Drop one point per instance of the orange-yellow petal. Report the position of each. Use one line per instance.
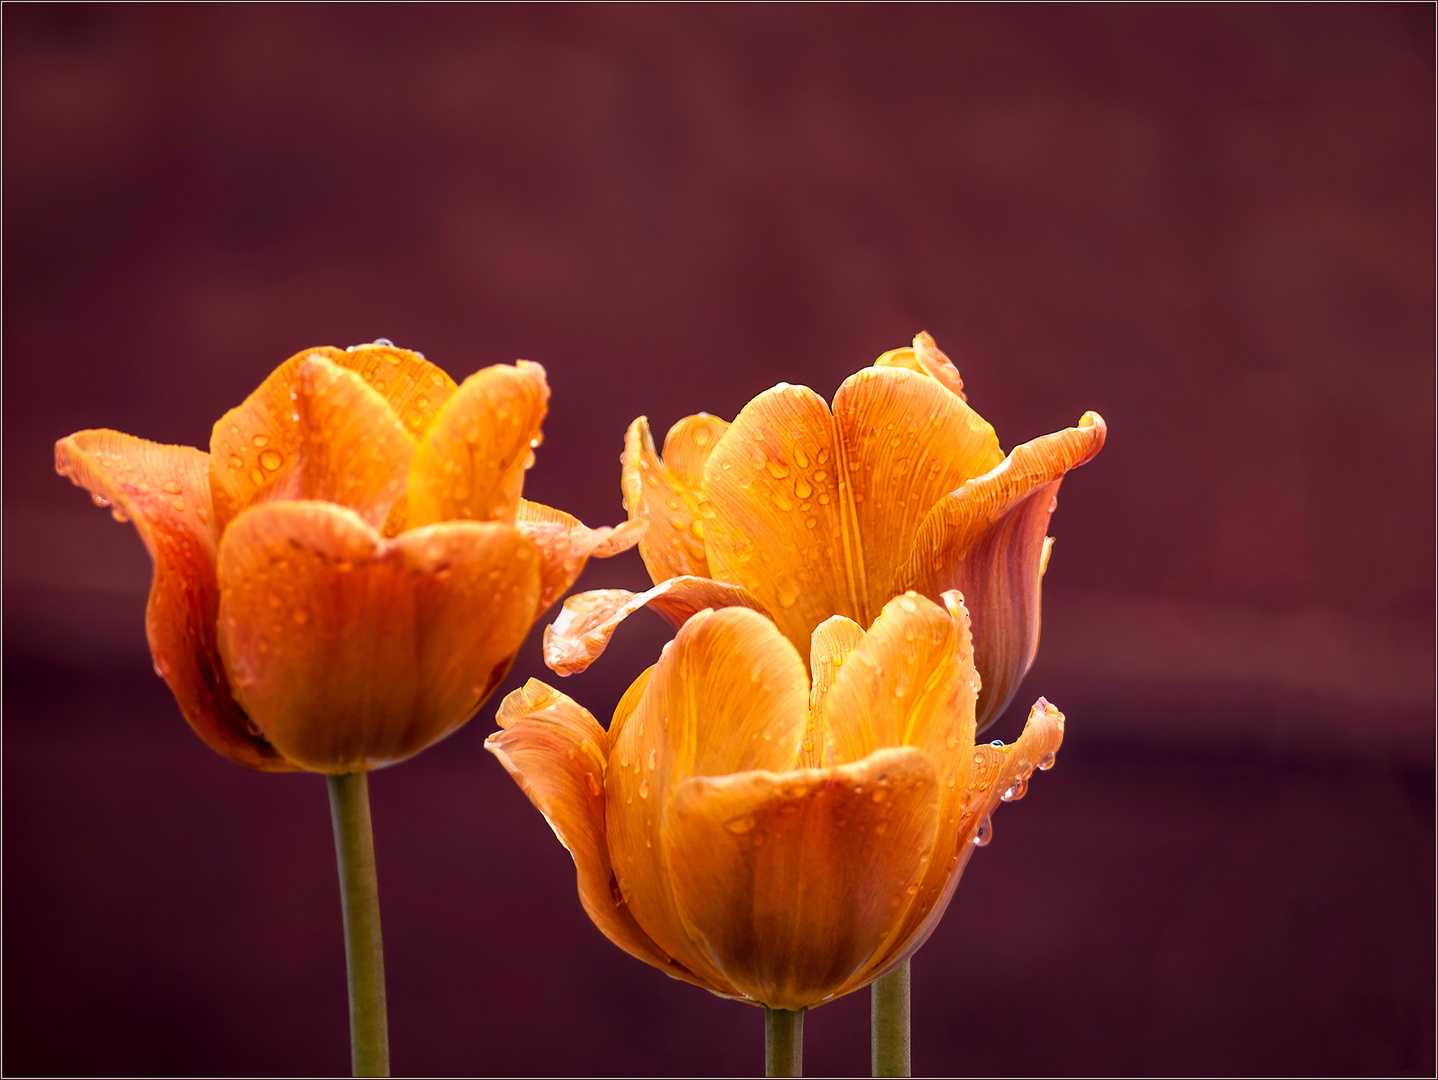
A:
(729, 694)
(254, 447)
(565, 544)
(165, 491)
(907, 440)
(926, 358)
(667, 495)
(987, 540)
(588, 620)
(558, 754)
(781, 523)
(834, 640)
(350, 651)
(470, 463)
(790, 881)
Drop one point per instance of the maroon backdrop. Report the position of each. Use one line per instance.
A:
(1212, 224)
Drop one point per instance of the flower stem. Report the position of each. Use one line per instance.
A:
(889, 1023)
(783, 1042)
(359, 899)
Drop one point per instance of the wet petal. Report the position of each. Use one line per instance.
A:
(729, 694)
(791, 880)
(350, 651)
(588, 620)
(926, 359)
(987, 540)
(470, 464)
(907, 440)
(165, 491)
(565, 544)
(667, 494)
(558, 754)
(834, 639)
(780, 524)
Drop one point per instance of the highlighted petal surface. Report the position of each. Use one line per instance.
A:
(926, 358)
(667, 494)
(791, 880)
(165, 491)
(350, 651)
(565, 544)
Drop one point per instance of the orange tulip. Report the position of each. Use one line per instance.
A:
(350, 570)
(802, 512)
(764, 833)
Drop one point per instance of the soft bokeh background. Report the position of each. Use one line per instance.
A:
(1212, 224)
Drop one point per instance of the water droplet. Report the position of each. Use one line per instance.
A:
(777, 469)
(179, 506)
(739, 826)
(999, 744)
(951, 740)
(119, 515)
(788, 597)
(985, 833)
(236, 463)
(273, 600)
(1017, 791)
(783, 502)
(592, 783)
(1047, 761)
(254, 729)
(257, 477)
(263, 440)
(879, 794)
(99, 500)
(162, 669)
(344, 566)
(385, 343)
(301, 616)
(169, 487)
(624, 762)
(653, 759)
(644, 789)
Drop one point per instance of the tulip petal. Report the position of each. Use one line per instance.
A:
(470, 464)
(558, 754)
(565, 544)
(926, 358)
(834, 639)
(667, 494)
(790, 881)
(906, 440)
(781, 525)
(254, 448)
(987, 540)
(729, 694)
(588, 620)
(165, 491)
(350, 651)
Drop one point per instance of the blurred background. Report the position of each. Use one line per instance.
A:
(1212, 224)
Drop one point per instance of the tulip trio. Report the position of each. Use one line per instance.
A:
(782, 805)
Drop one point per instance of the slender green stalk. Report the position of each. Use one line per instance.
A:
(889, 1023)
(359, 897)
(783, 1042)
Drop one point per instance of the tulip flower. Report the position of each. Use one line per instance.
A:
(801, 512)
(349, 572)
(772, 833)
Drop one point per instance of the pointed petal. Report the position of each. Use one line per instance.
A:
(565, 544)
(350, 651)
(987, 540)
(926, 359)
(834, 639)
(558, 755)
(792, 880)
(667, 494)
(780, 528)
(254, 447)
(470, 464)
(165, 491)
(907, 440)
(729, 694)
(588, 620)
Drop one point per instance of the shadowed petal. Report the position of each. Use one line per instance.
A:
(926, 359)
(667, 494)
(470, 463)
(987, 540)
(165, 491)
(558, 754)
(565, 544)
(350, 651)
(588, 620)
(834, 639)
(791, 880)
(907, 440)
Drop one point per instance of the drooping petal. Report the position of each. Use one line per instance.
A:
(729, 694)
(781, 523)
(834, 640)
(588, 620)
(470, 463)
(165, 491)
(987, 540)
(667, 494)
(791, 880)
(254, 447)
(350, 651)
(906, 441)
(565, 544)
(558, 754)
(926, 358)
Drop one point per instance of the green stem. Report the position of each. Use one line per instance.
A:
(359, 898)
(783, 1042)
(889, 1023)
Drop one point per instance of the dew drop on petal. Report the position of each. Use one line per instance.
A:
(264, 440)
(592, 782)
(1047, 761)
(170, 487)
(739, 826)
(99, 500)
(644, 789)
(985, 833)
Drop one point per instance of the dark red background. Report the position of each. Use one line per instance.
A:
(1212, 224)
